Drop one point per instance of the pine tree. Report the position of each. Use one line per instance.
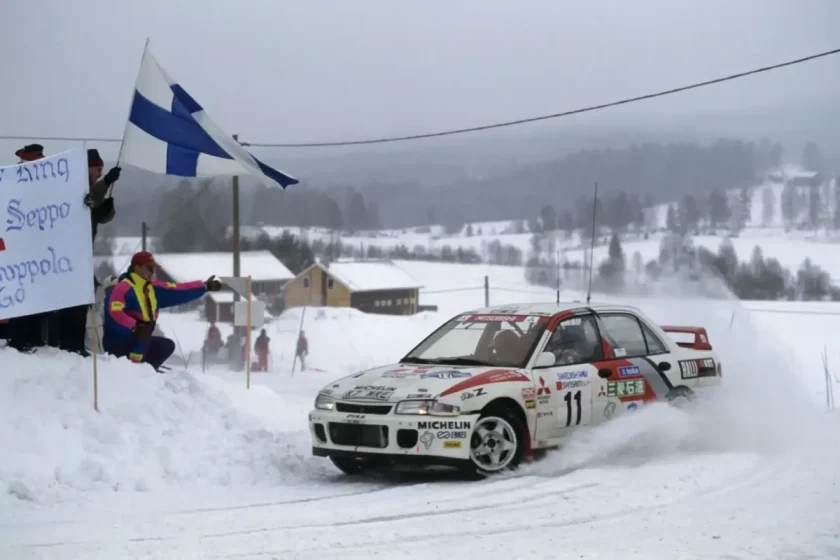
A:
(814, 207)
(671, 219)
(768, 200)
(719, 212)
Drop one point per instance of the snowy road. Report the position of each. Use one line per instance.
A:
(686, 505)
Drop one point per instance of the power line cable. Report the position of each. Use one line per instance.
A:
(554, 115)
(488, 126)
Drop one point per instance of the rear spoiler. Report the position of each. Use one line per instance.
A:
(701, 339)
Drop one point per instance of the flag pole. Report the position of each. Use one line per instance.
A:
(133, 95)
(95, 361)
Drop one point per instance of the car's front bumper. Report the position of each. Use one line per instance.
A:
(402, 438)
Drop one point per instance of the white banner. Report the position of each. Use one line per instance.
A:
(46, 250)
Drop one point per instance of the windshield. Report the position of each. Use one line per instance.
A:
(481, 340)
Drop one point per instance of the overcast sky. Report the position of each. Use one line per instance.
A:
(297, 71)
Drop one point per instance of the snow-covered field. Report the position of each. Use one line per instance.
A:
(192, 464)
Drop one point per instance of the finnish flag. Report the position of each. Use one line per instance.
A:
(168, 132)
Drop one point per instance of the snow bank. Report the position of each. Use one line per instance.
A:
(154, 431)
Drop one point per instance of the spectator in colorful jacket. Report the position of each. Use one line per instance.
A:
(131, 311)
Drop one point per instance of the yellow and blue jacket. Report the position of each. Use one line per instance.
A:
(134, 299)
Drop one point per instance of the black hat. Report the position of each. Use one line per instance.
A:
(30, 152)
(94, 160)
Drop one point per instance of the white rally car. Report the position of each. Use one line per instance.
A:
(490, 386)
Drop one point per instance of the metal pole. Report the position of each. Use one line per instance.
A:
(143, 230)
(236, 228)
(486, 291)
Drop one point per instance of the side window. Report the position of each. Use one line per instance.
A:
(575, 341)
(625, 333)
(654, 343)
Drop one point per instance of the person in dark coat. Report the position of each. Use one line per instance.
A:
(131, 311)
(27, 333)
(68, 326)
(302, 350)
(262, 350)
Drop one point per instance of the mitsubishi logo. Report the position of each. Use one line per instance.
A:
(543, 389)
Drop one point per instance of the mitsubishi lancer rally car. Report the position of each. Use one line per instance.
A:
(491, 386)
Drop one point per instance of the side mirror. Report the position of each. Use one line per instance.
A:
(545, 359)
(664, 366)
(604, 373)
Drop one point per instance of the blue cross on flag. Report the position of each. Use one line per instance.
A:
(169, 133)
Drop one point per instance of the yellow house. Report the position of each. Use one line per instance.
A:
(369, 286)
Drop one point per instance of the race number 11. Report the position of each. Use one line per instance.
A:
(569, 398)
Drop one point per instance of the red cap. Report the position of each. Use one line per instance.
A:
(142, 258)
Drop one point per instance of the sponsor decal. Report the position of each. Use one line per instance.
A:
(576, 384)
(633, 406)
(404, 371)
(609, 410)
(530, 403)
(418, 396)
(691, 369)
(427, 438)
(529, 393)
(543, 392)
(326, 392)
(452, 444)
(544, 414)
(492, 318)
(354, 418)
(396, 374)
(629, 371)
(336, 386)
(470, 393)
(504, 311)
(444, 425)
(445, 374)
(486, 378)
(452, 435)
(629, 388)
(619, 352)
(569, 375)
(358, 375)
(370, 392)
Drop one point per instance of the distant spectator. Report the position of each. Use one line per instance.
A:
(302, 350)
(132, 311)
(261, 348)
(213, 342)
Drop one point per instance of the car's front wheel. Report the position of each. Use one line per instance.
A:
(497, 442)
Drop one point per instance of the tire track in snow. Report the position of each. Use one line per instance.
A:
(755, 474)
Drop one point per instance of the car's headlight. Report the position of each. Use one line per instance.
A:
(324, 402)
(430, 407)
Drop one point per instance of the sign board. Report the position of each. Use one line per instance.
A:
(46, 250)
(240, 313)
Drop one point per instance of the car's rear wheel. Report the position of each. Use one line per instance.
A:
(353, 465)
(680, 397)
(497, 442)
